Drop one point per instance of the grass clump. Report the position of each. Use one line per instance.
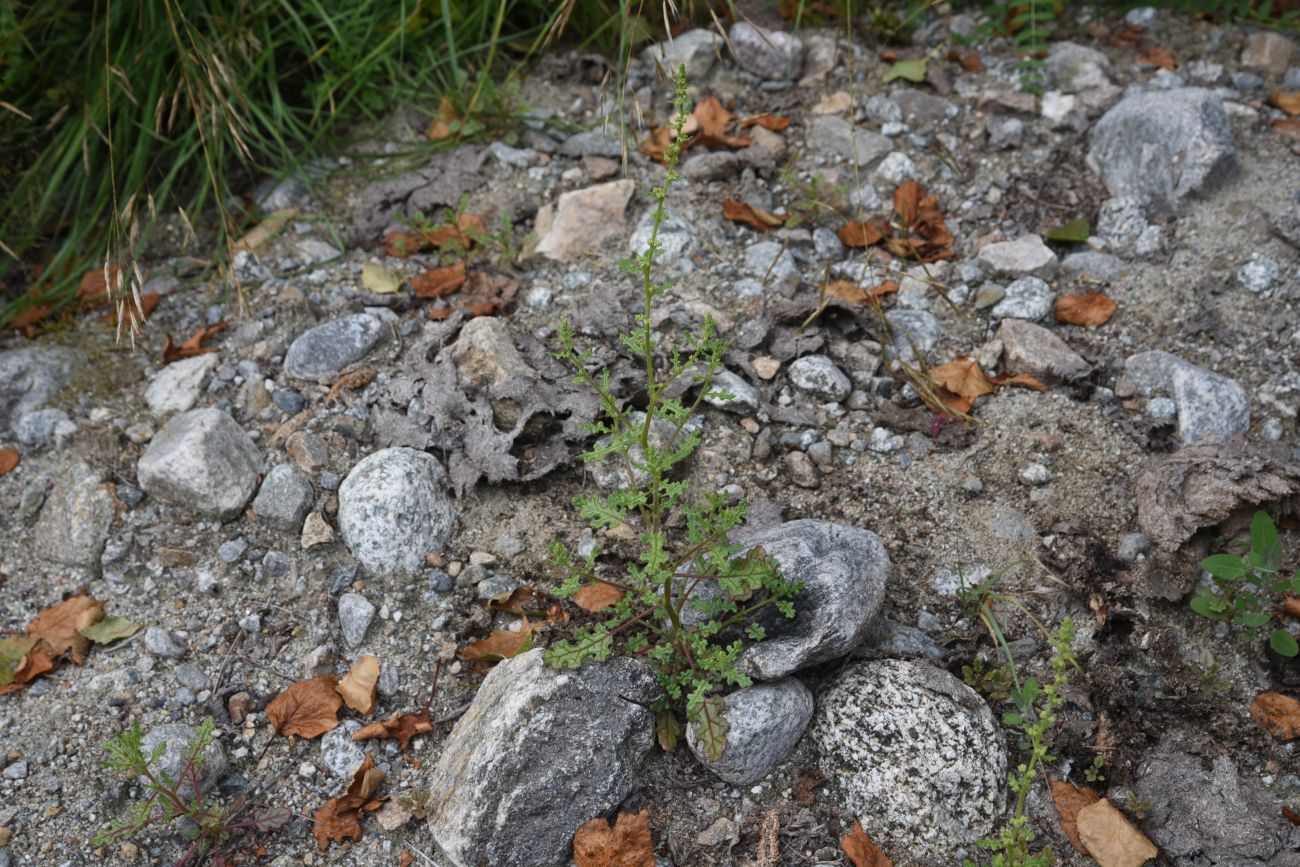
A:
(1246, 591)
(688, 596)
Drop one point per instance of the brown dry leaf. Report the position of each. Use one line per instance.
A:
(1288, 102)
(520, 602)
(713, 119)
(655, 146)
(907, 201)
(439, 282)
(1279, 714)
(1111, 839)
(461, 233)
(954, 402)
(805, 786)
(597, 597)
(1089, 310)
(308, 709)
(627, 844)
(750, 215)
(1069, 801)
(403, 728)
(1157, 57)
(8, 460)
(963, 377)
(337, 820)
(861, 851)
(1289, 127)
(60, 626)
(437, 314)
(358, 687)
(139, 312)
(1290, 605)
(971, 62)
(350, 381)
(193, 344)
(265, 230)
(501, 644)
(864, 233)
(1020, 380)
(774, 122)
(29, 658)
(1290, 815)
(440, 125)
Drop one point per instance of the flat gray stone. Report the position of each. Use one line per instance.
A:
(356, 613)
(1030, 348)
(857, 145)
(30, 378)
(914, 331)
(201, 461)
(770, 54)
(539, 752)
(285, 498)
(744, 397)
(819, 376)
(1075, 68)
(176, 387)
(697, 48)
(320, 353)
(1027, 255)
(773, 264)
(1091, 265)
(1160, 147)
(766, 722)
(74, 523)
(394, 507)
(916, 753)
(338, 752)
(1209, 404)
(1028, 298)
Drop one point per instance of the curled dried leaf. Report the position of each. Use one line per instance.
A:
(308, 709)
(1090, 309)
(359, 685)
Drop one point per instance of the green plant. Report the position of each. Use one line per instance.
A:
(993, 683)
(1245, 592)
(208, 826)
(1095, 772)
(686, 596)
(1034, 716)
(1029, 24)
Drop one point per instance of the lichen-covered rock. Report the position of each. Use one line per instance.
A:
(539, 752)
(915, 753)
(202, 461)
(394, 507)
(74, 522)
(765, 723)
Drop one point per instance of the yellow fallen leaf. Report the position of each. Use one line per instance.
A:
(380, 280)
(358, 687)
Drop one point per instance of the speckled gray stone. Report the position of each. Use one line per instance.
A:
(539, 752)
(321, 352)
(1027, 255)
(202, 461)
(177, 738)
(917, 755)
(766, 722)
(75, 521)
(30, 377)
(744, 397)
(853, 144)
(1209, 404)
(819, 376)
(338, 752)
(356, 613)
(770, 54)
(1028, 298)
(284, 499)
(394, 507)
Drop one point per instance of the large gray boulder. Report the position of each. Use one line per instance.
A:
(394, 507)
(30, 378)
(539, 752)
(766, 721)
(201, 461)
(320, 353)
(1162, 146)
(844, 571)
(770, 54)
(916, 754)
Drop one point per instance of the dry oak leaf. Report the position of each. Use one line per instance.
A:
(358, 687)
(1069, 801)
(22, 660)
(193, 344)
(963, 377)
(597, 597)
(1279, 714)
(8, 460)
(1089, 310)
(501, 644)
(863, 233)
(861, 851)
(627, 844)
(1111, 839)
(60, 626)
(402, 728)
(1289, 127)
(438, 282)
(337, 820)
(1020, 380)
(846, 290)
(774, 122)
(1158, 57)
(713, 118)
(750, 215)
(308, 709)
(1288, 102)
(135, 311)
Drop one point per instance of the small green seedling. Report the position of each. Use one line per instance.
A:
(688, 597)
(1245, 591)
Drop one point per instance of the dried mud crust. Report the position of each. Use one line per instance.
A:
(1152, 672)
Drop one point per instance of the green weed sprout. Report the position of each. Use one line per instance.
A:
(693, 650)
(1244, 592)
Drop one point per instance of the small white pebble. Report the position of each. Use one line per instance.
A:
(306, 770)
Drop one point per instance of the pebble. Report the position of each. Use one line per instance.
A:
(232, 551)
(582, 219)
(1259, 275)
(896, 168)
(287, 399)
(203, 461)
(772, 264)
(284, 499)
(162, 642)
(765, 723)
(802, 470)
(320, 353)
(316, 531)
(395, 507)
(16, 771)
(1027, 298)
(356, 613)
(177, 386)
(1027, 255)
(1035, 474)
(769, 54)
(1132, 547)
(819, 376)
(1030, 348)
